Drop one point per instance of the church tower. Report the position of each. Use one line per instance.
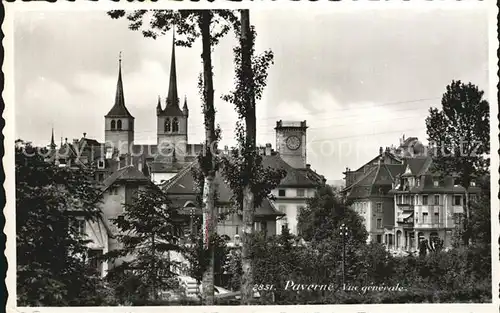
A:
(119, 123)
(291, 142)
(172, 121)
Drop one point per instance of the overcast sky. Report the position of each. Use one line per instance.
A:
(360, 79)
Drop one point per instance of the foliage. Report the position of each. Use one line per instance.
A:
(459, 134)
(148, 231)
(324, 214)
(51, 270)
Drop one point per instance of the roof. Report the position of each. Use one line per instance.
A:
(119, 109)
(378, 178)
(172, 110)
(294, 177)
(127, 173)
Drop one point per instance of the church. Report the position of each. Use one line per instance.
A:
(124, 166)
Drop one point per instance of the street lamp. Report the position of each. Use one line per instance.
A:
(344, 232)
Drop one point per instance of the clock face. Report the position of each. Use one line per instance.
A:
(293, 142)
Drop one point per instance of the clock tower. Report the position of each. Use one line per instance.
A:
(291, 142)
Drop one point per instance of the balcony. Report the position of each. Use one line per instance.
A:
(430, 225)
(405, 223)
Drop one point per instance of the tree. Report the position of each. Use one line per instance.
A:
(324, 214)
(459, 133)
(148, 231)
(51, 251)
(248, 179)
(193, 24)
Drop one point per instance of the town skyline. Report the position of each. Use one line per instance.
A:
(312, 79)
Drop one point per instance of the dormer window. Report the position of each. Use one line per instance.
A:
(167, 125)
(175, 125)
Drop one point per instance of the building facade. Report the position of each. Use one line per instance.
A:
(426, 206)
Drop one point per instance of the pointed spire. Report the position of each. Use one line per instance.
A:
(119, 109)
(172, 98)
(158, 105)
(52, 141)
(185, 107)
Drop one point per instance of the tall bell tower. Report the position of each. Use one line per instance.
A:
(119, 123)
(291, 142)
(172, 122)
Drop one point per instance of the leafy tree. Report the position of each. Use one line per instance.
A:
(51, 270)
(480, 221)
(460, 136)
(324, 214)
(210, 25)
(148, 232)
(248, 179)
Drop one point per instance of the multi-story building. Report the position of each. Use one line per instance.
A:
(426, 206)
(367, 190)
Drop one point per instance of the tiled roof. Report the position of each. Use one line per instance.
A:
(172, 110)
(377, 178)
(126, 173)
(294, 177)
(417, 164)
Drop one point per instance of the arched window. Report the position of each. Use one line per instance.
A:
(167, 125)
(175, 125)
(113, 124)
(119, 125)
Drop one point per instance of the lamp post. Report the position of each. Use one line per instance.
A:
(344, 232)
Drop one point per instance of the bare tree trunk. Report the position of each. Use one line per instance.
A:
(208, 166)
(250, 124)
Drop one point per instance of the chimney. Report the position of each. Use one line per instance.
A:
(308, 166)
(226, 150)
(262, 150)
(268, 149)
(380, 151)
(84, 135)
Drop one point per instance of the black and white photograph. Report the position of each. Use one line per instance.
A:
(188, 156)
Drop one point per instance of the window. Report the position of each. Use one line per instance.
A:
(425, 199)
(300, 192)
(436, 199)
(379, 207)
(455, 182)
(100, 164)
(113, 124)
(425, 217)
(175, 125)
(473, 197)
(379, 223)
(79, 225)
(95, 263)
(457, 200)
(131, 124)
(412, 199)
(167, 125)
(281, 192)
(100, 176)
(379, 238)
(418, 182)
(436, 183)
(436, 217)
(473, 183)
(119, 125)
